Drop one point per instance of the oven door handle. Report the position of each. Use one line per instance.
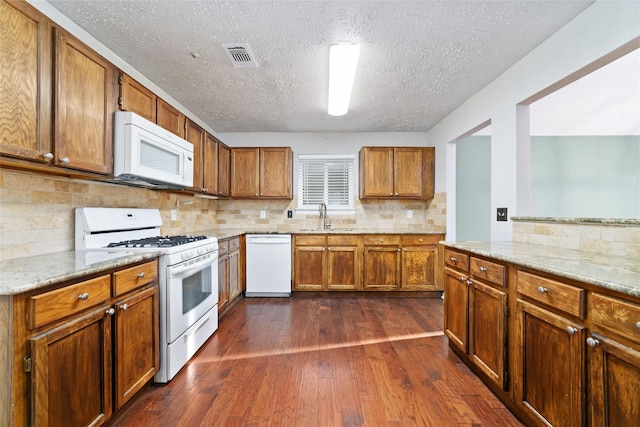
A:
(179, 271)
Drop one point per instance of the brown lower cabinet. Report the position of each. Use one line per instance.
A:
(355, 262)
(476, 318)
(322, 262)
(82, 350)
(230, 277)
(569, 351)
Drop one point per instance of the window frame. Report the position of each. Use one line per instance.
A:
(334, 209)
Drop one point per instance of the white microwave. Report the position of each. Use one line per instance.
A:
(146, 154)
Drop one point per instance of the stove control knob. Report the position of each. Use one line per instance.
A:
(183, 256)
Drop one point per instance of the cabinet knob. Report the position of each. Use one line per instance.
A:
(542, 290)
(398, 250)
(64, 160)
(483, 268)
(141, 274)
(571, 330)
(469, 283)
(391, 194)
(48, 156)
(83, 297)
(592, 342)
(111, 311)
(453, 259)
(462, 278)
(124, 307)
(328, 249)
(638, 325)
(419, 240)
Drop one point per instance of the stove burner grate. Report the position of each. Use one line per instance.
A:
(156, 242)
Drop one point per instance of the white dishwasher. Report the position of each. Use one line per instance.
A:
(268, 265)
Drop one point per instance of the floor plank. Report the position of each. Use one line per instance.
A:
(326, 361)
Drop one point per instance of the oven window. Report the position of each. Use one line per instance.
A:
(195, 289)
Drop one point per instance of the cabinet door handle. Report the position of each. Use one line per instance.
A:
(592, 342)
(328, 249)
(462, 278)
(124, 307)
(469, 283)
(638, 325)
(453, 259)
(110, 312)
(48, 156)
(483, 268)
(398, 250)
(64, 160)
(83, 297)
(141, 274)
(571, 330)
(542, 290)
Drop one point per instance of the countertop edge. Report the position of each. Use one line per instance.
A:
(616, 286)
(44, 280)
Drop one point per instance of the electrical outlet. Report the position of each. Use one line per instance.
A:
(289, 214)
(174, 214)
(409, 213)
(502, 214)
(263, 214)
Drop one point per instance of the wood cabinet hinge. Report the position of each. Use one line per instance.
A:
(120, 101)
(26, 364)
(506, 312)
(120, 79)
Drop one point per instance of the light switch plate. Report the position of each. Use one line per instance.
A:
(502, 214)
(409, 213)
(263, 214)
(174, 214)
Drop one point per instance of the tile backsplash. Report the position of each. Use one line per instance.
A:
(598, 237)
(37, 212)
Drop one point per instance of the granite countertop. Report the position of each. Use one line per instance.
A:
(222, 233)
(620, 274)
(26, 274)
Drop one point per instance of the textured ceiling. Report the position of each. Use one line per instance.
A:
(419, 60)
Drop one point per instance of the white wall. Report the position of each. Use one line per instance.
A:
(473, 188)
(327, 143)
(600, 29)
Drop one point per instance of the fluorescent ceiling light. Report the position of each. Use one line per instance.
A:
(343, 59)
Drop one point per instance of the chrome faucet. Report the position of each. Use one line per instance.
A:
(323, 215)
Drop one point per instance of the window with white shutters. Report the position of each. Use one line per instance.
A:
(325, 179)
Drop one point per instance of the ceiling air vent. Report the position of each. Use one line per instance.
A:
(240, 55)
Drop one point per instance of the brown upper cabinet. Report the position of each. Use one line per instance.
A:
(84, 107)
(136, 98)
(210, 165)
(196, 135)
(170, 119)
(42, 64)
(224, 170)
(26, 84)
(261, 172)
(397, 172)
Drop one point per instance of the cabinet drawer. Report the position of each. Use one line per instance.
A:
(301, 240)
(234, 244)
(342, 240)
(489, 271)
(419, 240)
(564, 297)
(134, 277)
(381, 240)
(54, 305)
(223, 247)
(456, 259)
(617, 316)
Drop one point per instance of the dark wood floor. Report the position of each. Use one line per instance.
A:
(324, 361)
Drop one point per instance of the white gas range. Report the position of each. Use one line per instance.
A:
(188, 276)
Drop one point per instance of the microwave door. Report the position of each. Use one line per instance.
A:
(155, 158)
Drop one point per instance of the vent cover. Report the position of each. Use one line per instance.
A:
(240, 55)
